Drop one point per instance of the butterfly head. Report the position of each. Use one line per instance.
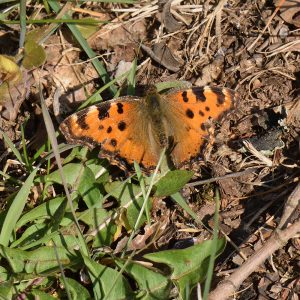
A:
(153, 103)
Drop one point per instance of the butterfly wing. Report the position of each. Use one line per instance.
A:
(119, 127)
(187, 112)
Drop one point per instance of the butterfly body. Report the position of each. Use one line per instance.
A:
(132, 129)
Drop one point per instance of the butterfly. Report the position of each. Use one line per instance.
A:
(130, 128)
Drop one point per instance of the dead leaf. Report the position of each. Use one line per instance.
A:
(168, 20)
(62, 71)
(114, 34)
(290, 11)
(163, 55)
(293, 113)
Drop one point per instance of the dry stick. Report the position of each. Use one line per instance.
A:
(231, 175)
(229, 286)
(291, 205)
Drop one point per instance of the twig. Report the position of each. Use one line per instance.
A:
(291, 205)
(229, 286)
(232, 175)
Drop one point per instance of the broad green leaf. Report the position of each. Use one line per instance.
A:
(44, 231)
(97, 166)
(189, 266)
(66, 238)
(4, 275)
(122, 191)
(45, 210)
(107, 282)
(172, 182)
(77, 152)
(71, 171)
(34, 55)
(77, 291)
(151, 285)
(94, 217)
(133, 211)
(40, 295)
(43, 259)
(88, 189)
(31, 234)
(105, 236)
(7, 290)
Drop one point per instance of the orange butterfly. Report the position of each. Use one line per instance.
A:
(132, 129)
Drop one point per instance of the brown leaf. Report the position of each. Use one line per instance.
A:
(113, 34)
(290, 11)
(169, 21)
(163, 55)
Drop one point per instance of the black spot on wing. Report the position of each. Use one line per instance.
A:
(103, 111)
(109, 129)
(184, 96)
(201, 113)
(113, 142)
(122, 125)
(207, 108)
(199, 93)
(82, 123)
(189, 113)
(120, 108)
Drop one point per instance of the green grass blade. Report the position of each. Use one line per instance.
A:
(143, 188)
(15, 210)
(131, 79)
(25, 154)
(90, 53)
(12, 147)
(52, 138)
(55, 21)
(181, 202)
